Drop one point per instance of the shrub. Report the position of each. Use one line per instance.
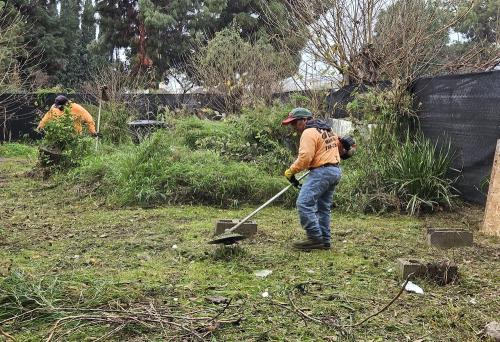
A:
(241, 73)
(114, 121)
(393, 170)
(160, 171)
(417, 173)
(256, 137)
(383, 106)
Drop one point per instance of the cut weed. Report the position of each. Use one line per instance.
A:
(67, 256)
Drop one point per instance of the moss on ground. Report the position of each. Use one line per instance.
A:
(59, 249)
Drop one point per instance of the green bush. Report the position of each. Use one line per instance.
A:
(417, 173)
(256, 137)
(114, 121)
(410, 175)
(242, 159)
(382, 106)
(160, 171)
(393, 168)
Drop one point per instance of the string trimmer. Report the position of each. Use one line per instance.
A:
(229, 237)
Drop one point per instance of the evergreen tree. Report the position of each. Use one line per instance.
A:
(482, 22)
(88, 23)
(163, 34)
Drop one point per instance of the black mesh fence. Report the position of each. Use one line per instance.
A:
(465, 111)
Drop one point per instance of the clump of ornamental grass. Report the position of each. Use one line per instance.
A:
(395, 168)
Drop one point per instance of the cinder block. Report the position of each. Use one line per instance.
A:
(247, 229)
(408, 266)
(441, 272)
(449, 238)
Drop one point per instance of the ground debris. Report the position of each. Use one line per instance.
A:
(492, 330)
(217, 299)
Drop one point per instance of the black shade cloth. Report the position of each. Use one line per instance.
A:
(463, 110)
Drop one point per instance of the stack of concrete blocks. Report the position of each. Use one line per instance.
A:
(442, 272)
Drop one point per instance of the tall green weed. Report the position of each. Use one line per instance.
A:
(256, 137)
(160, 170)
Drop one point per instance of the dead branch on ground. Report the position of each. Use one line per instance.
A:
(342, 327)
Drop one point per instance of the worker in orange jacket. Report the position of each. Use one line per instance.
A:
(80, 115)
(320, 151)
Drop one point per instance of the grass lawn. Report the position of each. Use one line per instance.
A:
(75, 269)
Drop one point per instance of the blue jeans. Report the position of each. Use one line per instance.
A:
(315, 199)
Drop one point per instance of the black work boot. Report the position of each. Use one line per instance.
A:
(309, 244)
(326, 245)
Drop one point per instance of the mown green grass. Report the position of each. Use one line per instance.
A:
(80, 252)
(17, 150)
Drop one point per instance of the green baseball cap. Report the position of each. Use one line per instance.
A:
(296, 114)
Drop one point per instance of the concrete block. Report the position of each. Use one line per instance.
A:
(247, 229)
(408, 266)
(441, 272)
(449, 238)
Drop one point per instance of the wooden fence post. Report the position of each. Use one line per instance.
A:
(491, 225)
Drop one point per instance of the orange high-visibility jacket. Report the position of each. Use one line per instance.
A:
(317, 147)
(80, 115)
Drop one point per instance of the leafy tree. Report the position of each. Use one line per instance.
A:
(16, 63)
(163, 34)
(71, 68)
(41, 35)
(88, 26)
(62, 38)
(240, 72)
(411, 38)
(482, 22)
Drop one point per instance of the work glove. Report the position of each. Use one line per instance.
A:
(291, 178)
(97, 135)
(347, 142)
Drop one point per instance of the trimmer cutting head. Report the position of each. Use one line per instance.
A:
(227, 238)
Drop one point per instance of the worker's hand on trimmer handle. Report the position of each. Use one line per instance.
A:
(291, 178)
(97, 135)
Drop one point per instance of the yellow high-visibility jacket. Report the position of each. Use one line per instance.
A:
(80, 115)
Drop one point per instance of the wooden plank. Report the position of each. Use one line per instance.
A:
(491, 225)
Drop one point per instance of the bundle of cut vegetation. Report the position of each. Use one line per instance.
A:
(395, 168)
(62, 147)
(27, 301)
